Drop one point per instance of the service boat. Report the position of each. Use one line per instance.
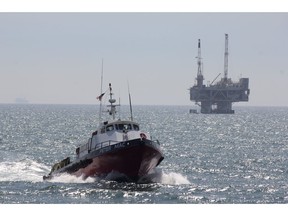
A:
(117, 148)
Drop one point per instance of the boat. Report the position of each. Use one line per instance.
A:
(118, 149)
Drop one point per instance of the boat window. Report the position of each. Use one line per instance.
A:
(116, 127)
(109, 128)
(124, 127)
(136, 127)
(120, 127)
(102, 130)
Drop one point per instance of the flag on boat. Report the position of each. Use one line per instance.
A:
(100, 96)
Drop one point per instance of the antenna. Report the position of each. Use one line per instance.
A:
(130, 102)
(100, 111)
(119, 110)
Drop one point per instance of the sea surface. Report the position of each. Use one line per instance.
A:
(230, 159)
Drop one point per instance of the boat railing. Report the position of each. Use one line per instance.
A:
(105, 144)
(113, 142)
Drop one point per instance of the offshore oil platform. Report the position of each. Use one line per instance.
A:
(218, 97)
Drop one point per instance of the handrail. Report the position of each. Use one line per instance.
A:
(111, 142)
(102, 144)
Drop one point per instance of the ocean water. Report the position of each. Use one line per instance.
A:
(240, 158)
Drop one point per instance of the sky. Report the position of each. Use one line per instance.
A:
(56, 58)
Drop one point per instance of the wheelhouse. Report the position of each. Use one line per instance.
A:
(119, 127)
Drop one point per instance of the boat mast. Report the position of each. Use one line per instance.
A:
(112, 110)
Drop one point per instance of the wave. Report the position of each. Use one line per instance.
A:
(22, 170)
(25, 169)
(67, 178)
(172, 178)
(158, 176)
(29, 170)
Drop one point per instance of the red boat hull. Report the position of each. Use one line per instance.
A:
(133, 159)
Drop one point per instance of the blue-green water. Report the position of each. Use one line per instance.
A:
(240, 158)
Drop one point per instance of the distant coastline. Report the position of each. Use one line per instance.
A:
(21, 101)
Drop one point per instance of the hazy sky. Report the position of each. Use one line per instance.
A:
(56, 57)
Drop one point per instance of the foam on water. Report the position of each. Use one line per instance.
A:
(171, 178)
(32, 171)
(157, 177)
(174, 179)
(15, 168)
(66, 178)
(23, 170)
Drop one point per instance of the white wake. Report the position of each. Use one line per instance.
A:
(26, 169)
(171, 178)
(22, 170)
(174, 179)
(66, 178)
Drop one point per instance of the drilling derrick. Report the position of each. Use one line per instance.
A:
(226, 60)
(200, 77)
(218, 98)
